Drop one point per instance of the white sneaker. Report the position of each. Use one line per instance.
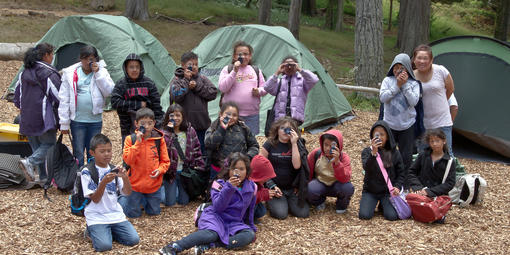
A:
(321, 206)
(341, 211)
(28, 169)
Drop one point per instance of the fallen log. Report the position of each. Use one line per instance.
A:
(358, 88)
(14, 51)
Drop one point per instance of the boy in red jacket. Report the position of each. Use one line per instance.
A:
(330, 173)
(262, 173)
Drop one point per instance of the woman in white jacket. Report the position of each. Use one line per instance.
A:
(85, 86)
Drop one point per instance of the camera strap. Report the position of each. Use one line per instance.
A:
(287, 107)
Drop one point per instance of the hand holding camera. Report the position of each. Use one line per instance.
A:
(94, 66)
(171, 122)
(255, 92)
(274, 191)
(401, 76)
(239, 61)
(225, 121)
(140, 133)
(234, 179)
(376, 143)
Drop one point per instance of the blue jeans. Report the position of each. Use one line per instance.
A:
(40, 145)
(82, 133)
(318, 191)
(252, 122)
(368, 203)
(132, 204)
(205, 236)
(122, 232)
(448, 132)
(174, 192)
(279, 207)
(260, 211)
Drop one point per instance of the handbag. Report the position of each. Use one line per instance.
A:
(428, 210)
(400, 205)
(270, 113)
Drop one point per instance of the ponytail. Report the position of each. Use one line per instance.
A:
(36, 54)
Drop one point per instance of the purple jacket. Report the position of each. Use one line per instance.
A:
(35, 108)
(192, 151)
(231, 210)
(301, 83)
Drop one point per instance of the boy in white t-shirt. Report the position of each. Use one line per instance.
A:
(104, 215)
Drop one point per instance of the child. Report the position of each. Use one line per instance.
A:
(104, 215)
(133, 92)
(241, 84)
(193, 91)
(262, 173)
(375, 188)
(228, 221)
(330, 173)
(147, 164)
(427, 171)
(178, 132)
(227, 135)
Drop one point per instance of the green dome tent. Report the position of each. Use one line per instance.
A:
(480, 67)
(114, 37)
(326, 104)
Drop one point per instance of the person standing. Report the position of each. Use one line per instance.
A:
(36, 96)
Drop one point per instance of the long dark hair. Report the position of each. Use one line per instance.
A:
(89, 50)
(385, 151)
(171, 109)
(273, 132)
(436, 132)
(230, 163)
(36, 54)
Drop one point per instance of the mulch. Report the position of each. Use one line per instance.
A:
(30, 224)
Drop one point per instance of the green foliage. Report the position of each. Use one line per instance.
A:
(361, 102)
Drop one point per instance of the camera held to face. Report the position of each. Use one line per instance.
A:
(287, 130)
(142, 129)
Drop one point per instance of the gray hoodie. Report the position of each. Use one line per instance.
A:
(399, 112)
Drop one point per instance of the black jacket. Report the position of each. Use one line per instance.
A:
(128, 94)
(373, 181)
(423, 174)
(194, 101)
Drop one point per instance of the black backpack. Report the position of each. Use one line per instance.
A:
(77, 199)
(133, 138)
(61, 167)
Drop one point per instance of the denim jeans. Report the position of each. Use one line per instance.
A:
(205, 236)
(368, 203)
(279, 207)
(174, 192)
(150, 202)
(252, 122)
(82, 133)
(448, 132)
(103, 234)
(318, 191)
(260, 211)
(40, 145)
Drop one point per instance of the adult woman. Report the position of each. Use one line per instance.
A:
(437, 86)
(292, 89)
(281, 148)
(36, 94)
(85, 87)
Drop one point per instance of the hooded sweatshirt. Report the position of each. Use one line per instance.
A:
(342, 169)
(143, 158)
(194, 101)
(128, 94)
(399, 103)
(373, 181)
(36, 111)
(261, 171)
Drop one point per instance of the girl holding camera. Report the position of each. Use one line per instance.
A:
(375, 188)
(281, 148)
(291, 89)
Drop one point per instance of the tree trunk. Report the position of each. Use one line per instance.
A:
(340, 16)
(501, 29)
(137, 9)
(413, 24)
(391, 12)
(368, 43)
(330, 15)
(265, 12)
(309, 7)
(14, 51)
(294, 13)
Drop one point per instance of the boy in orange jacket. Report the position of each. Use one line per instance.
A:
(148, 159)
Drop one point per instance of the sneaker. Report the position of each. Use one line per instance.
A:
(341, 211)
(199, 249)
(28, 169)
(168, 250)
(321, 206)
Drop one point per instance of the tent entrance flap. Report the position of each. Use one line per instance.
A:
(68, 55)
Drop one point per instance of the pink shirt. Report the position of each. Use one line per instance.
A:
(237, 87)
(435, 104)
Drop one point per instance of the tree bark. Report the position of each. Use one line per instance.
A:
(137, 9)
(265, 12)
(340, 16)
(14, 51)
(368, 43)
(294, 13)
(501, 29)
(413, 24)
(330, 14)
(309, 7)
(391, 12)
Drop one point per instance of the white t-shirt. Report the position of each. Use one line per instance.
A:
(108, 210)
(435, 104)
(452, 101)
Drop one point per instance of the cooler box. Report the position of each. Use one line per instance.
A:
(12, 142)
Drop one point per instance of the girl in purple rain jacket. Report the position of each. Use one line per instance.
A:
(228, 221)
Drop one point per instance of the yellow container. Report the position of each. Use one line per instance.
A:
(10, 133)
